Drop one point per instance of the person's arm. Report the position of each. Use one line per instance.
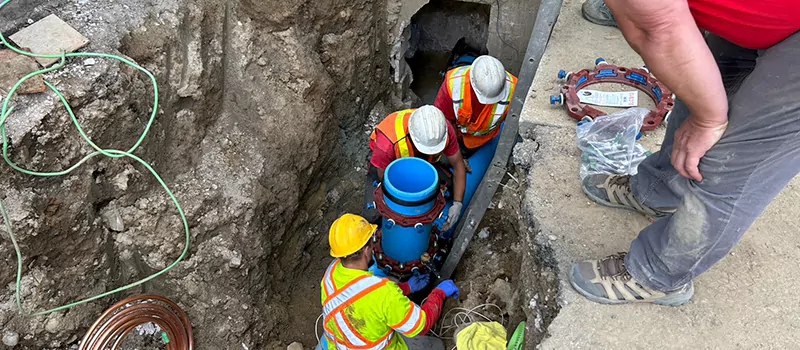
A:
(380, 158)
(413, 320)
(666, 36)
(459, 176)
(444, 103)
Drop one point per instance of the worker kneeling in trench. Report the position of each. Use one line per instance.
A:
(422, 132)
(362, 311)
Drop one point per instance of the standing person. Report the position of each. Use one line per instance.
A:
(732, 143)
(475, 98)
(424, 133)
(361, 311)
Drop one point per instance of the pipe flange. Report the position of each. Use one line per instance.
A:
(604, 72)
(407, 266)
(408, 221)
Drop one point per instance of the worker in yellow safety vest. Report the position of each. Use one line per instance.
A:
(476, 98)
(362, 311)
(417, 132)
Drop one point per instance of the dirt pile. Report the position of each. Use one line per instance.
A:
(259, 102)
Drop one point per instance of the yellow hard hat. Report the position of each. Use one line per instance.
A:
(348, 234)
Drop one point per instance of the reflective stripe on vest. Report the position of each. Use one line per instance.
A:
(335, 303)
(411, 321)
(458, 84)
(400, 131)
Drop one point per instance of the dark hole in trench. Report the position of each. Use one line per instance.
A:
(434, 31)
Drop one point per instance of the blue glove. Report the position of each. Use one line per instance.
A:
(416, 283)
(449, 288)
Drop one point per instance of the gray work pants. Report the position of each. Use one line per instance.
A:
(755, 159)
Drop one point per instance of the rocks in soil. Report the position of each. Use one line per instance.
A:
(10, 338)
(13, 67)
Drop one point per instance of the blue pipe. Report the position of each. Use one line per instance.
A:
(479, 162)
(408, 179)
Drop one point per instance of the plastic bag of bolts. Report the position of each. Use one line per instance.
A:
(609, 143)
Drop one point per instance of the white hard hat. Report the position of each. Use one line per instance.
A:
(428, 129)
(488, 79)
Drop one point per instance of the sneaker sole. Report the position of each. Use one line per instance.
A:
(596, 21)
(669, 300)
(606, 203)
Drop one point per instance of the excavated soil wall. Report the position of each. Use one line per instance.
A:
(261, 133)
(261, 103)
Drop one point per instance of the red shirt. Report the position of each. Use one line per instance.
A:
(444, 102)
(753, 24)
(383, 150)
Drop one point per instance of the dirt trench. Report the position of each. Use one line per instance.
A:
(265, 109)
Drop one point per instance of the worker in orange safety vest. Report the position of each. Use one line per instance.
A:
(362, 311)
(475, 98)
(418, 132)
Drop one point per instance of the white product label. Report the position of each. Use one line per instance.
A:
(610, 99)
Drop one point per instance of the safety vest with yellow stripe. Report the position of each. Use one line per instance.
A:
(395, 128)
(359, 313)
(476, 127)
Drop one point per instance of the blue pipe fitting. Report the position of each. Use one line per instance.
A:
(410, 185)
(599, 61)
(562, 74)
(556, 99)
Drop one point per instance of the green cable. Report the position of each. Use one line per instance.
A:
(5, 112)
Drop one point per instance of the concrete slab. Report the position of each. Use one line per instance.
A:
(747, 301)
(49, 35)
(14, 66)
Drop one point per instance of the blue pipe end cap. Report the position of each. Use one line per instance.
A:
(555, 99)
(562, 74)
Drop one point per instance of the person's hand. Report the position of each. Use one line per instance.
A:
(452, 216)
(416, 283)
(449, 288)
(692, 140)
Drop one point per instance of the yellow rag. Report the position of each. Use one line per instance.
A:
(481, 336)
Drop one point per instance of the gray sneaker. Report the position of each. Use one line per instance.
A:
(597, 12)
(607, 281)
(615, 191)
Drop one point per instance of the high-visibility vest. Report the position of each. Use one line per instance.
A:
(395, 128)
(476, 127)
(337, 328)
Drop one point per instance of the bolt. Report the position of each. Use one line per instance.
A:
(556, 99)
(562, 74)
(599, 61)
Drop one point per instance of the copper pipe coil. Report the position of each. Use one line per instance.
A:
(113, 325)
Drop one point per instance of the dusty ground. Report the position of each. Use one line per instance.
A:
(504, 267)
(747, 301)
